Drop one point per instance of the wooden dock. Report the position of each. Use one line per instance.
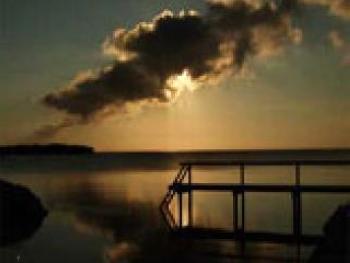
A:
(183, 184)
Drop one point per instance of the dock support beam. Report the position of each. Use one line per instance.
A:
(242, 232)
(190, 198)
(234, 212)
(297, 211)
(180, 210)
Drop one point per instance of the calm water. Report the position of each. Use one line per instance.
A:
(104, 208)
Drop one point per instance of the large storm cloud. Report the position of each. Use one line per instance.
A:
(150, 55)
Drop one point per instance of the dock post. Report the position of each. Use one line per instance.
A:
(190, 197)
(234, 212)
(297, 210)
(297, 174)
(242, 232)
(180, 210)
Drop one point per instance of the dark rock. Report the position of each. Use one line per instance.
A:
(21, 213)
(335, 245)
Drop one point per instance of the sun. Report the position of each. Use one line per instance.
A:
(180, 83)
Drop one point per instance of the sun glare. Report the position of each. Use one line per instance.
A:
(180, 83)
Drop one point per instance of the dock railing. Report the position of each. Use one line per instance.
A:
(183, 184)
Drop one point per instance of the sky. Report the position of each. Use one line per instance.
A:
(176, 75)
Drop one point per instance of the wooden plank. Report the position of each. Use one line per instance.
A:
(265, 162)
(204, 233)
(183, 187)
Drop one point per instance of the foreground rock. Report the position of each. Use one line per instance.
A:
(21, 213)
(335, 245)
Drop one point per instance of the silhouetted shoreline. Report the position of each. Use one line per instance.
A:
(47, 149)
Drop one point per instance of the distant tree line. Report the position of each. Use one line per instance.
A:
(39, 149)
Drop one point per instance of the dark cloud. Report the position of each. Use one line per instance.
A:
(123, 82)
(152, 53)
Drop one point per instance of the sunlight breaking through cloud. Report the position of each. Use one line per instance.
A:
(155, 61)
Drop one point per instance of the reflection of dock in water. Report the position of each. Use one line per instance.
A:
(183, 186)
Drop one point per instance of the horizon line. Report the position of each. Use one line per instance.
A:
(225, 150)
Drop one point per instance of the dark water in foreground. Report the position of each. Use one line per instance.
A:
(104, 208)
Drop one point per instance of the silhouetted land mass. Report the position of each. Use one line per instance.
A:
(21, 213)
(48, 149)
